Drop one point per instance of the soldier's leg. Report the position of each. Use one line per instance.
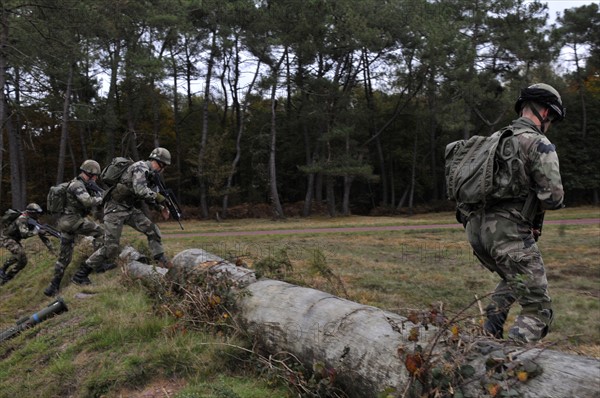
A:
(140, 222)
(18, 260)
(96, 231)
(480, 233)
(519, 260)
(67, 242)
(13, 248)
(497, 310)
(113, 226)
(533, 323)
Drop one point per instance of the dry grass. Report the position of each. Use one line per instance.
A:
(415, 269)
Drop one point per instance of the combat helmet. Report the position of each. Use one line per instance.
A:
(34, 209)
(161, 155)
(90, 167)
(544, 94)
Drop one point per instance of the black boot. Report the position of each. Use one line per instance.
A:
(81, 276)
(3, 277)
(163, 261)
(53, 287)
(496, 317)
(106, 267)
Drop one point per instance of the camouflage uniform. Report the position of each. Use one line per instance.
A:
(502, 239)
(80, 201)
(10, 239)
(124, 207)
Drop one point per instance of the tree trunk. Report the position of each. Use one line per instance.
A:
(413, 179)
(111, 116)
(64, 131)
(4, 31)
(274, 193)
(241, 125)
(363, 348)
(330, 195)
(204, 137)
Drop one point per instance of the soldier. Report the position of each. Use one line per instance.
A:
(503, 237)
(123, 206)
(82, 196)
(11, 237)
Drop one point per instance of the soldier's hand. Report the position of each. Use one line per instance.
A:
(165, 213)
(160, 198)
(536, 233)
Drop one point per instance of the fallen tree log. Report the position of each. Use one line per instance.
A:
(367, 351)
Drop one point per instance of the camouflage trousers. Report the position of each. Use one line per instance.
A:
(70, 227)
(17, 259)
(113, 227)
(502, 240)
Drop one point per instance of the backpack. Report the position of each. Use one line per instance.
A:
(56, 200)
(8, 217)
(484, 170)
(112, 173)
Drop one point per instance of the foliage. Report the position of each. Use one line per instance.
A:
(367, 97)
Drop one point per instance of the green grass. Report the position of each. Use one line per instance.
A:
(116, 340)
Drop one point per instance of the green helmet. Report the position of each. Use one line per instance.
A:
(34, 208)
(161, 155)
(544, 94)
(90, 167)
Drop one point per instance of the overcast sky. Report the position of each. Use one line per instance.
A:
(555, 6)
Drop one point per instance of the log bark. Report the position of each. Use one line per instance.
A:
(364, 348)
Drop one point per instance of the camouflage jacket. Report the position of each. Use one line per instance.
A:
(541, 164)
(20, 229)
(136, 186)
(79, 200)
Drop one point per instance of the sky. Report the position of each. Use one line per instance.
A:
(555, 6)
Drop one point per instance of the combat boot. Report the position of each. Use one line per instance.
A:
(106, 267)
(163, 261)
(54, 286)
(496, 317)
(81, 276)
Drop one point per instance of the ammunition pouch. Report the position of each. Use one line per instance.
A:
(122, 194)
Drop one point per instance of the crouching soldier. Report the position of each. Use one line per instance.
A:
(18, 229)
(82, 195)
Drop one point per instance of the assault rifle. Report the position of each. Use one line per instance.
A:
(44, 227)
(94, 188)
(171, 201)
(54, 308)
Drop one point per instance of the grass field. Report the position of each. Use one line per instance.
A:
(117, 341)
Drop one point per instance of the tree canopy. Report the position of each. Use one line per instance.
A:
(343, 104)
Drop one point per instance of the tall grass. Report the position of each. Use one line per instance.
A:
(116, 340)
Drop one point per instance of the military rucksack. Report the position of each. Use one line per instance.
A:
(112, 173)
(56, 200)
(484, 170)
(8, 217)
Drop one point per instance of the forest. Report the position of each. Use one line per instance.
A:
(333, 106)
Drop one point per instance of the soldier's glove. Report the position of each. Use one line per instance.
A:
(165, 213)
(160, 198)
